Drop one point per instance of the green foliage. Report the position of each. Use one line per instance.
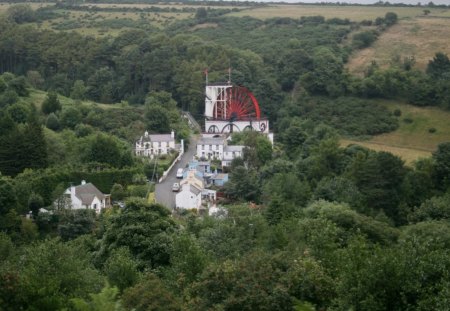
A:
(157, 119)
(243, 184)
(251, 283)
(106, 300)
(70, 117)
(107, 149)
(442, 168)
(150, 294)
(145, 229)
(364, 39)
(121, 269)
(73, 223)
(52, 122)
(49, 274)
(21, 13)
(51, 104)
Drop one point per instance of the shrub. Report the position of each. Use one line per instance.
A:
(397, 112)
(432, 130)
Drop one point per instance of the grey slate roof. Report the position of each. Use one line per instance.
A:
(211, 141)
(233, 148)
(161, 137)
(87, 192)
(194, 190)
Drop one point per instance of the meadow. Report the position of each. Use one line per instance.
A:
(354, 13)
(419, 133)
(419, 37)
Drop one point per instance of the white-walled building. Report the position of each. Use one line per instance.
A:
(216, 148)
(211, 147)
(189, 197)
(230, 153)
(86, 196)
(150, 145)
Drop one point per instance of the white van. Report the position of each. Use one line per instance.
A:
(180, 173)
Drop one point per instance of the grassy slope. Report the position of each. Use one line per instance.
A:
(418, 37)
(412, 140)
(354, 13)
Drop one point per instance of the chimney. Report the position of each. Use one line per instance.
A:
(172, 134)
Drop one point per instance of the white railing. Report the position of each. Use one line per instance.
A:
(166, 172)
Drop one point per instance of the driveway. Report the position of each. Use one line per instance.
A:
(163, 190)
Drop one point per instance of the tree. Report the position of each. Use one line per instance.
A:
(157, 119)
(52, 122)
(442, 167)
(243, 184)
(21, 13)
(35, 202)
(73, 223)
(51, 103)
(70, 117)
(249, 283)
(117, 192)
(78, 90)
(438, 66)
(390, 18)
(144, 229)
(150, 295)
(106, 300)
(201, 14)
(121, 269)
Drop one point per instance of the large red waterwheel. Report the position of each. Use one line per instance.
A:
(238, 103)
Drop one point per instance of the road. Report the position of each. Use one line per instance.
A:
(163, 190)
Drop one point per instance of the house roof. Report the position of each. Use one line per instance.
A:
(87, 192)
(194, 189)
(211, 141)
(161, 137)
(220, 176)
(156, 138)
(233, 148)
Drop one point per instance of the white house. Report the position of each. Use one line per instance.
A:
(150, 145)
(216, 148)
(230, 153)
(86, 196)
(189, 197)
(211, 147)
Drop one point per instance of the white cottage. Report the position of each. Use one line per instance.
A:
(151, 145)
(189, 197)
(210, 147)
(230, 153)
(86, 196)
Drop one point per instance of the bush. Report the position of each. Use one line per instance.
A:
(408, 120)
(397, 112)
(432, 130)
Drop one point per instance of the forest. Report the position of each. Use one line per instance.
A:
(308, 224)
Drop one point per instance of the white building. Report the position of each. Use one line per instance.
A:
(151, 145)
(230, 153)
(86, 196)
(189, 197)
(211, 148)
(215, 147)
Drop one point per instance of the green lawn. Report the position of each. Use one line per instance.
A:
(412, 140)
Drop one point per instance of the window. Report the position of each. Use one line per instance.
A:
(203, 147)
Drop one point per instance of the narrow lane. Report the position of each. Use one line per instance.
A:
(163, 190)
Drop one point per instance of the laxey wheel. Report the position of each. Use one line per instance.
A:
(238, 104)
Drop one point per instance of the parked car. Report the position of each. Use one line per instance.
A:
(176, 187)
(180, 173)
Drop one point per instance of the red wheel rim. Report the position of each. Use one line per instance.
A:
(237, 104)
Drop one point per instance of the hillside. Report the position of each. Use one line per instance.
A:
(419, 37)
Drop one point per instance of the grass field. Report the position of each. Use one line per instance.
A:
(411, 140)
(418, 37)
(5, 6)
(354, 13)
(37, 97)
(159, 5)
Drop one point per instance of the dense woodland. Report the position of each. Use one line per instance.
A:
(309, 225)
